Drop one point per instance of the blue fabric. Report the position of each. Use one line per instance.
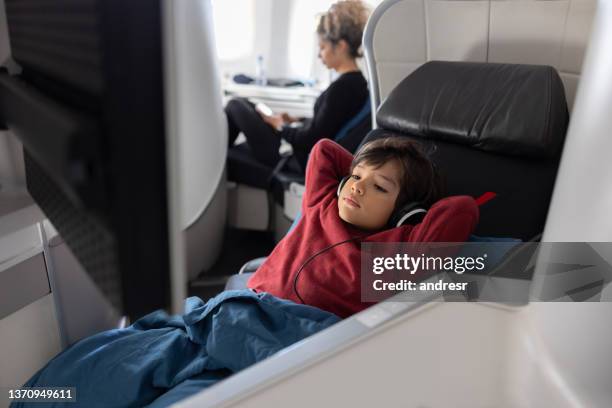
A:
(161, 359)
(365, 111)
(477, 238)
(496, 248)
(348, 126)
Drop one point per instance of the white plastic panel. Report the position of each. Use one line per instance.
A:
(582, 199)
(391, 73)
(17, 211)
(29, 338)
(562, 356)
(527, 32)
(435, 355)
(23, 284)
(19, 246)
(570, 83)
(457, 30)
(400, 34)
(195, 95)
(383, 370)
(551, 32)
(209, 229)
(577, 31)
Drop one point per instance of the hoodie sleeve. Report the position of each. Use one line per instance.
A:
(451, 219)
(328, 163)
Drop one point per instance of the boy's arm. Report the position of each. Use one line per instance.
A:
(451, 219)
(328, 163)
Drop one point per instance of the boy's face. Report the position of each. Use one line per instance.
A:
(368, 197)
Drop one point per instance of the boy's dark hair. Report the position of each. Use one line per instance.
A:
(419, 181)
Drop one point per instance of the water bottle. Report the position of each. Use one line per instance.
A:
(260, 72)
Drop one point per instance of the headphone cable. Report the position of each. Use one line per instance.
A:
(297, 275)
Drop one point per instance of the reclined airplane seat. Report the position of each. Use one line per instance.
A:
(494, 130)
(489, 128)
(252, 210)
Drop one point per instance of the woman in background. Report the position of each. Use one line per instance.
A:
(340, 30)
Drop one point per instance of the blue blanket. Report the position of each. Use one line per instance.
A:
(161, 359)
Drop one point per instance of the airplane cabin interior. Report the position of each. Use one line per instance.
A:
(141, 213)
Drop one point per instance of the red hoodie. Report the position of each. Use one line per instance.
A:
(331, 281)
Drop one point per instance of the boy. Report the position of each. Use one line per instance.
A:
(318, 262)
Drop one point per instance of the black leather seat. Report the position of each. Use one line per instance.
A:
(491, 128)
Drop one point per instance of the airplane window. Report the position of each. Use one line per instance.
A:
(303, 23)
(233, 43)
(295, 55)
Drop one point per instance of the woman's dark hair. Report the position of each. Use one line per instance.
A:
(345, 20)
(419, 181)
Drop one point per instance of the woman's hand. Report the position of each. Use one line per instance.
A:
(276, 121)
(288, 118)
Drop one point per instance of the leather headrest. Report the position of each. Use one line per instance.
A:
(509, 109)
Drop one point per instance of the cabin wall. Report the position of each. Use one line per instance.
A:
(29, 329)
(404, 34)
(28, 339)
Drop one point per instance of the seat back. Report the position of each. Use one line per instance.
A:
(401, 35)
(353, 132)
(489, 128)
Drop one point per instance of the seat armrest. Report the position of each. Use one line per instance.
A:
(252, 265)
(238, 282)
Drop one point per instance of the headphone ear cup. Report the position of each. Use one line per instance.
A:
(341, 185)
(411, 213)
